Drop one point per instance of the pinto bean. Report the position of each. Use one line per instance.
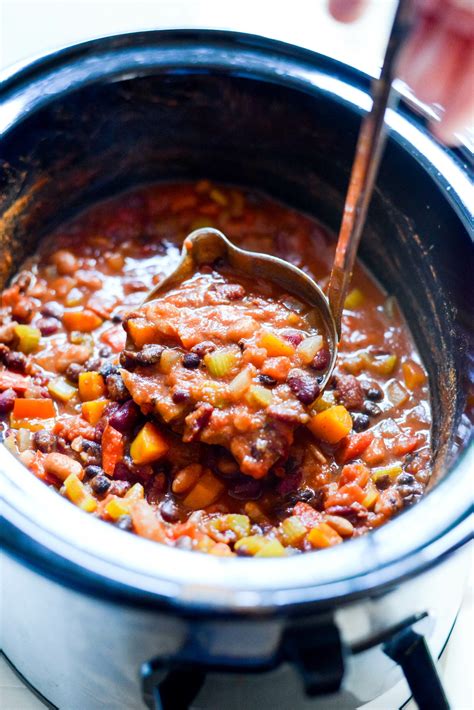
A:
(62, 466)
(65, 262)
(186, 478)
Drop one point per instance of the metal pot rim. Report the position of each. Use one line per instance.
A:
(62, 542)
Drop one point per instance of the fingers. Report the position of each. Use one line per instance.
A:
(347, 10)
(459, 100)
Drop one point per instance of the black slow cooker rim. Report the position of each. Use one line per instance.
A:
(456, 529)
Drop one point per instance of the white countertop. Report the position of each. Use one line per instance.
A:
(32, 27)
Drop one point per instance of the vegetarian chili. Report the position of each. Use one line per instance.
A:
(208, 431)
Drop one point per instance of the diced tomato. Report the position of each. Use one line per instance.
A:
(354, 473)
(146, 522)
(115, 338)
(353, 446)
(308, 515)
(350, 493)
(376, 452)
(405, 444)
(112, 449)
(14, 381)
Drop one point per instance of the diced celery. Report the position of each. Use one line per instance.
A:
(169, 358)
(116, 507)
(259, 396)
(308, 348)
(77, 494)
(392, 470)
(74, 298)
(325, 401)
(23, 439)
(241, 383)
(136, 492)
(233, 522)
(221, 362)
(382, 365)
(60, 389)
(28, 338)
(272, 548)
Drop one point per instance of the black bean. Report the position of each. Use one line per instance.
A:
(303, 385)
(124, 523)
(371, 409)
(109, 369)
(48, 326)
(374, 393)
(100, 484)
(360, 422)
(7, 401)
(383, 482)
(180, 396)
(306, 495)
(52, 310)
(267, 380)
(191, 361)
(169, 511)
(116, 318)
(116, 388)
(321, 360)
(149, 355)
(105, 351)
(44, 441)
(73, 371)
(15, 361)
(406, 479)
(91, 452)
(92, 471)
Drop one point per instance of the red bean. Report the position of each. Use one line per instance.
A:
(48, 326)
(321, 359)
(124, 419)
(7, 400)
(303, 385)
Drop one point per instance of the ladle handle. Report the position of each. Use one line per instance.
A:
(364, 169)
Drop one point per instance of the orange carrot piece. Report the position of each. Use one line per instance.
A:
(141, 331)
(112, 449)
(354, 473)
(84, 320)
(34, 409)
(323, 535)
(331, 425)
(146, 523)
(348, 494)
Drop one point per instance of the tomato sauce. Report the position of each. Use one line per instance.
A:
(209, 433)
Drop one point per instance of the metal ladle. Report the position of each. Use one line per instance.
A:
(206, 245)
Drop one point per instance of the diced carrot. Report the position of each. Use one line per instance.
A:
(353, 446)
(331, 425)
(275, 346)
(112, 449)
(91, 386)
(402, 445)
(323, 535)
(141, 331)
(92, 411)
(308, 515)
(371, 495)
(350, 493)
(376, 452)
(354, 473)
(14, 381)
(149, 445)
(146, 523)
(206, 491)
(34, 409)
(413, 374)
(84, 320)
(115, 338)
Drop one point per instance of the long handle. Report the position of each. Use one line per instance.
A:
(364, 169)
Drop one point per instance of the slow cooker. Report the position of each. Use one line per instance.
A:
(94, 617)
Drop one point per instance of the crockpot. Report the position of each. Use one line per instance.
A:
(95, 617)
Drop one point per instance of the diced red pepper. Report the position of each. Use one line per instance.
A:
(115, 338)
(14, 381)
(353, 446)
(112, 449)
(309, 516)
(376, 452)
(406, 444)
(348, 494)
(354, 473)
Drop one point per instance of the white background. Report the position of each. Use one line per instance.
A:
(33, 27)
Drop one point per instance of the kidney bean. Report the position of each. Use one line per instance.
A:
(303, 385)
(73, 371)
(293, 336)
(180, 396)
(44, 441)
(7, 400)
(125, 418)
(349, 392)
(267, 380)
(51, 309)
(246, 489)
(48, 326)
(321, 360)
(15, 361)
(119, 488)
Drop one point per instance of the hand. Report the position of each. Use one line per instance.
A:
(437, 61)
